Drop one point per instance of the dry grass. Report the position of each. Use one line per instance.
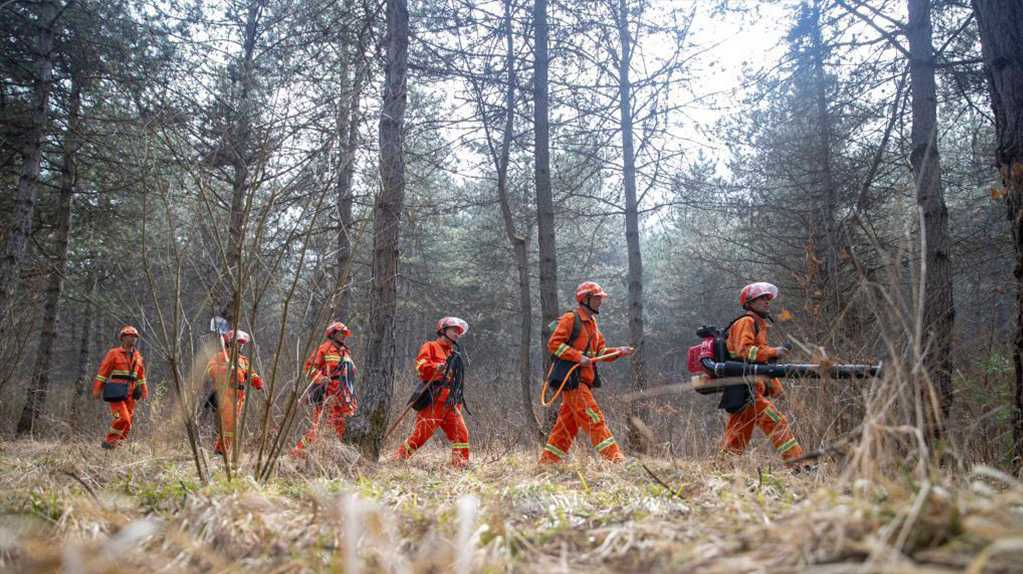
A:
(76, 507)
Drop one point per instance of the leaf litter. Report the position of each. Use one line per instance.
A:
(66, 506)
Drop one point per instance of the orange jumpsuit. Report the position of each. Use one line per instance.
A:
(747, 341)
(432, 356)
(330, 364)
(117, 367)
(230, 394)
(579, 410)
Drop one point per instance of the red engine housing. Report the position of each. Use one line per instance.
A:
(705, 350)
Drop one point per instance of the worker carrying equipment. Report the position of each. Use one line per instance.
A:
(438, 399)
(575, 345)
(748, 405)
(121, 381)
(712, 359)
(230, 391)
(332, 373)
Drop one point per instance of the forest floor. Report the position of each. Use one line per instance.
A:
(75, 507)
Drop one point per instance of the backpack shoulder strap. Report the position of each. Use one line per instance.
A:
(756, 326)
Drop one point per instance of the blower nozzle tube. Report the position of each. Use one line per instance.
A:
(788, 371)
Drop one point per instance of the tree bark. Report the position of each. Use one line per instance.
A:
(239, 148)
(549, 309)
(28, 180)
(380, 347)
(1001, 35)
(825, 245)
(348, 119)
(519, 243)
(635, 278)
(33, 408)
(938, 307)
(81, 368)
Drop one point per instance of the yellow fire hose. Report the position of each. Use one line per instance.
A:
(543, 392)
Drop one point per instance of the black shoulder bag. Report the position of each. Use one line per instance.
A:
(114, 392)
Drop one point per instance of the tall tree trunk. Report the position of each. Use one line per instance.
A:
(25, 196)
(348, 137)
(48, 332)
(825, 246)
(240, 150)
(542, 174)
(938, 308)
(1001, 35)
(635, 281)
(519, 243)
(380, 348)
(81, 368)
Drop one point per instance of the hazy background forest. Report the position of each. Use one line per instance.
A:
(168, 161)
(285, 163)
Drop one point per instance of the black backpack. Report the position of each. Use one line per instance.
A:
(734, 398)
(454, 377)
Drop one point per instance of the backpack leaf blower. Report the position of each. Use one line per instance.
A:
(711, 360)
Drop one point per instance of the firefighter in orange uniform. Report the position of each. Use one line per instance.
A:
(747, 341)
(579, 409)
(333, 374)
(438, 399)
(121, 381)
(231, 393)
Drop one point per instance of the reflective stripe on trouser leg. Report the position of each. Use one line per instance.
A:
(591, 418)
(563, 434)
(787, 446)
(555, 451)
(776, 427)
(454, 428)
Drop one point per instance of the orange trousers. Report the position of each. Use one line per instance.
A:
(762, 413)
(449, 420)
(337, 409)
(123, 412)
(229, 404)
(579, 410)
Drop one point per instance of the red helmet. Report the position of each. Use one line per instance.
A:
(337, 327)
(455, 322)
(242, 337)
(588, 289)
(128, 330)
(756, 291)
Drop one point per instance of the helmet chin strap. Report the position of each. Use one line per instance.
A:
(587, 305)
